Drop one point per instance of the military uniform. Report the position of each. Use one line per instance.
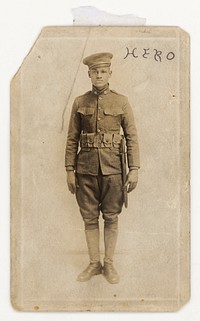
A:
(98, 120)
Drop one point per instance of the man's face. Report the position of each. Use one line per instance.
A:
(99, 76)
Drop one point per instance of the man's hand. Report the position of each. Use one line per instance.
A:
(71, 181)
(131, 180)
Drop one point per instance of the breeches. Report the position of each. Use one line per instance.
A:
(102, 193)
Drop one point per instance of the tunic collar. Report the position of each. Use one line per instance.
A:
(101, 91)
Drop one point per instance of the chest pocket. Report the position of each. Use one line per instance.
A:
(113, 111)
(86, 115)
(86, 111)
(113, 118)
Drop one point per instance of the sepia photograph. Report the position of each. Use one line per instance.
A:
(100, 175)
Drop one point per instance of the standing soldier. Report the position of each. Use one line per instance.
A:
(94, 173)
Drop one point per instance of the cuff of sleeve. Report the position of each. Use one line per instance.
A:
(69, 168)
(133, 168)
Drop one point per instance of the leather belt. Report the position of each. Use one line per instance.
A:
(100, 140)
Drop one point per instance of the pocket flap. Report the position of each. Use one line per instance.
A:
(90, 138)
(117, 139)
(107, 138)
(86, 110)
(113, 111)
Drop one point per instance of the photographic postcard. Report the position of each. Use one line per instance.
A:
(97, 225)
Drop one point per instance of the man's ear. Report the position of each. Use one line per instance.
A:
(89, 74)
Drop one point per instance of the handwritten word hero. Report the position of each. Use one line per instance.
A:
(146, 53)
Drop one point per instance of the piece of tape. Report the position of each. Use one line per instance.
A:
(91, 16)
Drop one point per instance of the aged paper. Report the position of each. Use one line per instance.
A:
(150, 66)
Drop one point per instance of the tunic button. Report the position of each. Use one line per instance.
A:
(99, 118)
(100, 98)
(98, 130)
(99, 108)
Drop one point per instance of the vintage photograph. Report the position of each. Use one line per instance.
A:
(100, 171)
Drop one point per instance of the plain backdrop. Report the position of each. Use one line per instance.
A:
(20, 24)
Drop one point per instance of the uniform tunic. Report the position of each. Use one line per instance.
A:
(101, 114)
